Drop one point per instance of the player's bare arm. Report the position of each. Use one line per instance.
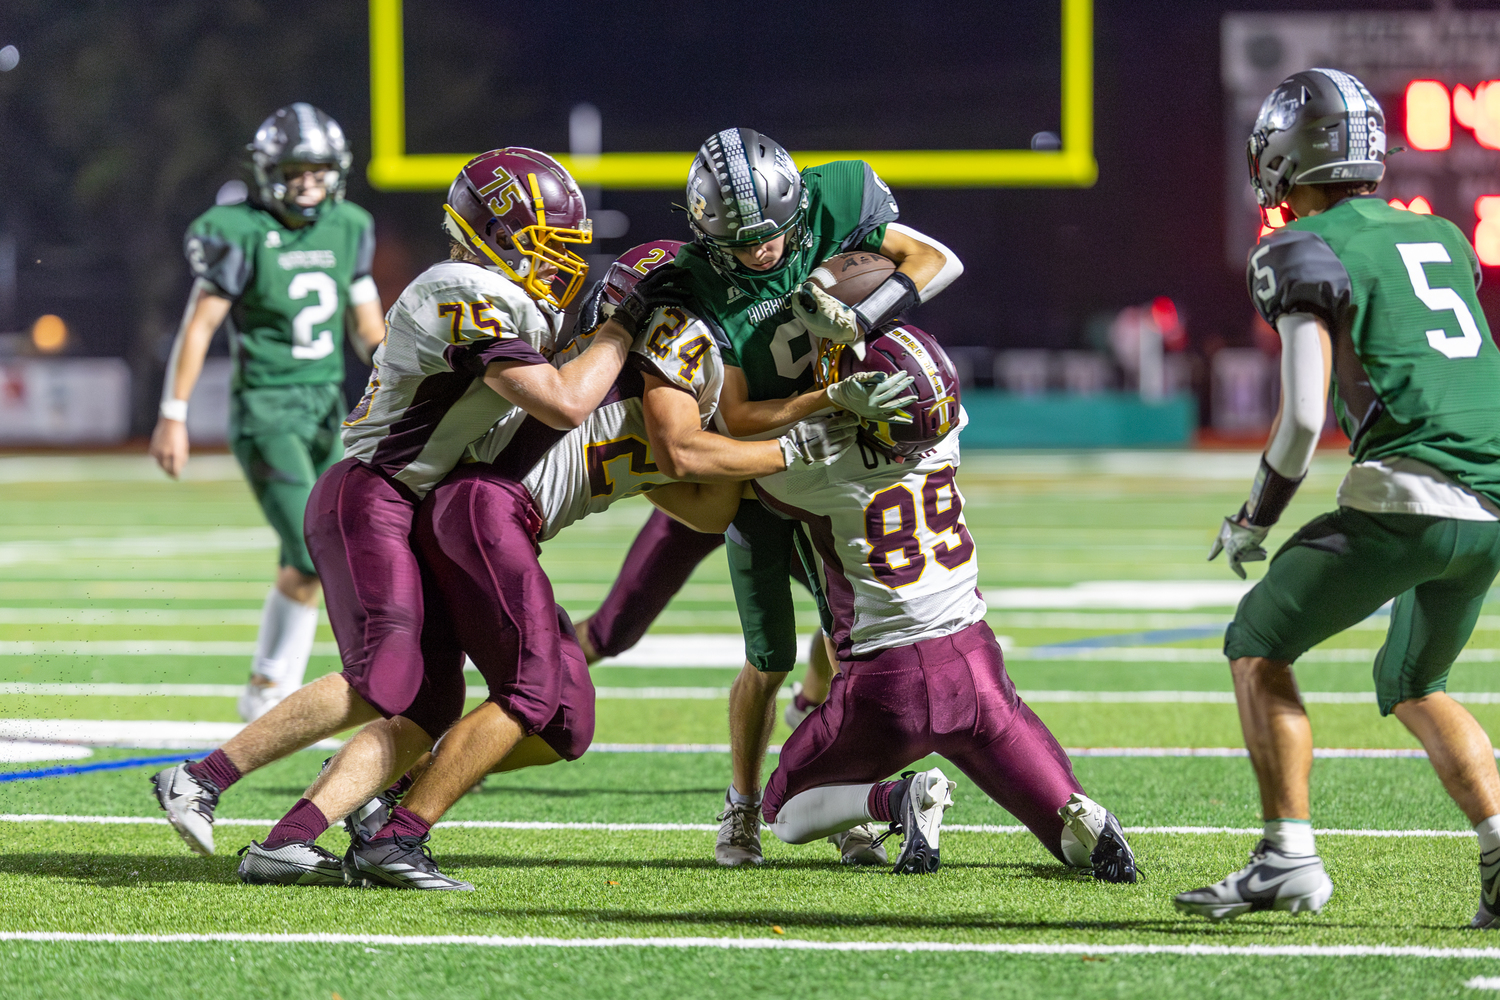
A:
(368, 328)
(683, 450)
(924, 267)
(930, 265)
(705, 507)
(562, 397)
(205, 311)
(866, 395)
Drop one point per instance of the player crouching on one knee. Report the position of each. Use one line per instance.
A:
(466, 342)
(920, 672)
(479, 533)
(1382, 301)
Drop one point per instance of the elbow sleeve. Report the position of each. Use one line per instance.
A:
(952, 266)
(1303, 388)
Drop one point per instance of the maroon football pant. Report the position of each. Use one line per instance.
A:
(949, 696)
(476, 533)
(358, 528)
(659, 562)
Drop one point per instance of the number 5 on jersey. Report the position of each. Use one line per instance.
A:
(1440, 299)
(897, 554)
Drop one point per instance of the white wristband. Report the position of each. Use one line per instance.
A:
(174, 409)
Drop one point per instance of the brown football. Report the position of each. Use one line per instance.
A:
(851, 277)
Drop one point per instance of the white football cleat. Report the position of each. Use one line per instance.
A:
(1295, 883)
(258, 699)
(297, 863)
(1092, 839)
(794, 715)
(189, 804)
(928, 796)
(1489, 892)
(860, 846)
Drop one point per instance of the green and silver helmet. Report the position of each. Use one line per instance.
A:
(743, 189)
(297, 133)
(1320, 126)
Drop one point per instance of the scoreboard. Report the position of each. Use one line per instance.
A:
(1436, 74)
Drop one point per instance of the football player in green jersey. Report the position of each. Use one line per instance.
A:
(761, 227)
(286, 272)
(1381, 303)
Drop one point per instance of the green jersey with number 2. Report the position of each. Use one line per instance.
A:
(1416, 373)
(290, 287)
(848, 208)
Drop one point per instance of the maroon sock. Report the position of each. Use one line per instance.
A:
(802, 704)
(879, 802)
(216, 769)
(304, 822)
(403, 823)
(402, 784)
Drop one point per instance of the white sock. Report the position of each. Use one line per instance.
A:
(819, 812)
(739, 798)
(1291, 836)
(1489, 833)
(285, 641)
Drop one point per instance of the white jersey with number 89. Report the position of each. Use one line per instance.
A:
(899, 562)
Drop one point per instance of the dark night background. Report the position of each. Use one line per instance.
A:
(124, 118)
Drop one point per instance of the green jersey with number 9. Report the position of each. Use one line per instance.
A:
(848, 208)
(290, 288)
(1416, 373)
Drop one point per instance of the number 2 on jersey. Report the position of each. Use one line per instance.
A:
(942, 507)
(1441, 299)
(304, 347)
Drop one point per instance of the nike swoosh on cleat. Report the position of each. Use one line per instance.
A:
(1255, 884)
(1490, 893)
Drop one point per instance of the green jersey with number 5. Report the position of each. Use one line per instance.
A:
(290, 287)
(1416, 373)
(848, 208)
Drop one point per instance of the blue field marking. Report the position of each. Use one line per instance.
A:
(1152, 638)
(108, 765)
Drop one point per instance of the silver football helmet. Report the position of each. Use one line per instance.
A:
(743, 189)
(297, 133)
(1320, 126)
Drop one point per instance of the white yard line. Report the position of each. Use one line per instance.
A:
(93, 548)
(177, 735)
(204, 617)
(112, 469)
(131, 733)
(104, 690)
(770, 943)
(142, 647)
(713, 827)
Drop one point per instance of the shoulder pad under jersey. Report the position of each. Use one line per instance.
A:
(678, 348)
(1293, 271)
(219, 247)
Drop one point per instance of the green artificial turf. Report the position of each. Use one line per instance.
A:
(1039, 520)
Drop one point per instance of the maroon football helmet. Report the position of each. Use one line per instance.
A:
(904, 348)
(519, 208)
(634, 264)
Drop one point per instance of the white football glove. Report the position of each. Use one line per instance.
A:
(819, 440)
(825, 316)
(1241, 541)
(874, 396)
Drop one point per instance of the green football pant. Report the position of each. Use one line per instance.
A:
(284, 437)
(1341, 567)
(765, 553)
